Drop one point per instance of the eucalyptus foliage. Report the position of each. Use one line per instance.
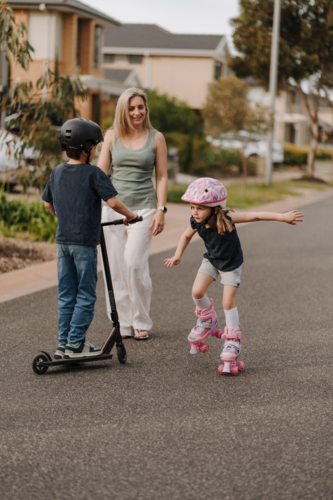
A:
(305, 51)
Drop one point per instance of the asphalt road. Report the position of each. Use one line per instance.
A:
(165, 425)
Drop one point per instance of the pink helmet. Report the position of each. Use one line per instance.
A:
(206, 191)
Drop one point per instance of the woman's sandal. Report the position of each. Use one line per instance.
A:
(137, 332)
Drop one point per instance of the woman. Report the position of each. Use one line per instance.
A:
(134, 148)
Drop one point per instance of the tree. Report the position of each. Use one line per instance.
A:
(37, 108)
(178, 122)
(305, 51)
(228, 111)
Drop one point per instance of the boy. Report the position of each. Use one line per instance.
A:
(73, 194)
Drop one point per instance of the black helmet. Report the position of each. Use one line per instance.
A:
(74, 133)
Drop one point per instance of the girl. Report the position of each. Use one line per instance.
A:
(134, 148)
(215, 224)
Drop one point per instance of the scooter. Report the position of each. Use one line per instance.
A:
(43, 361)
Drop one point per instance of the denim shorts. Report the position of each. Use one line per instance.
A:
(231, 278)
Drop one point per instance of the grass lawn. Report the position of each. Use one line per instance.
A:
(256, 194)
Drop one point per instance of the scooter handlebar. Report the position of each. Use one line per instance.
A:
(117, 222)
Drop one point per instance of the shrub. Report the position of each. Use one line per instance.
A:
(295, 155)
(176, 192)
(298, 155)
(17, 216)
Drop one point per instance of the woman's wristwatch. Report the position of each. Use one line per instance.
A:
(164, 209)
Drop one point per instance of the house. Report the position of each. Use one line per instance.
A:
(181, 66)
(71, 33)
(292, 123)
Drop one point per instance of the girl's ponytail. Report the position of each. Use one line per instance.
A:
(221, 223)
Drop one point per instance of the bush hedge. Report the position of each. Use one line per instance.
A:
(18, 216)
(298, 155)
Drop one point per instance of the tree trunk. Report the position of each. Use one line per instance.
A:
(310, 168)
(244, 174)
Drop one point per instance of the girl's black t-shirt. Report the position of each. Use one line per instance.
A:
(223, 251)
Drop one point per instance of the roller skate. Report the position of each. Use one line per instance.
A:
(231, 351)
(206, 325)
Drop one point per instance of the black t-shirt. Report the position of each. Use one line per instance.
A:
(223, 251)
(76, 192)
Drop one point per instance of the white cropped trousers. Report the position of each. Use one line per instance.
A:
(128, 251)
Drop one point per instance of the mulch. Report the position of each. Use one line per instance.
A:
(19, 253)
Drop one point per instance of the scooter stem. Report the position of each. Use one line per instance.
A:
(113, 337)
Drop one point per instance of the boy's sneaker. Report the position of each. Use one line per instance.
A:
(60, 352)
(81, 350)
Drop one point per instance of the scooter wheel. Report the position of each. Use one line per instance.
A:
(204, 348)
(240, 365)
(121, 353)
(37, 368)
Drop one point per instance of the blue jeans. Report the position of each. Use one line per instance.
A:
(77, 277)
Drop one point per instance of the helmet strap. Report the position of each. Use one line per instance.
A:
(88, 153)
(212, 212)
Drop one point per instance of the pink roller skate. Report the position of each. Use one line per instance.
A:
(206, 325)
(231, 351)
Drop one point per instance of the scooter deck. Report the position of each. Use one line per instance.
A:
(75, 361)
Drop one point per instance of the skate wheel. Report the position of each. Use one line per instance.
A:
(204, 348)
(218, 334)
(220, 369)
(234, 370)
(240, 365)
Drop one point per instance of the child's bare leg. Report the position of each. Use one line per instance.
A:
(229, 306)
(200, 285)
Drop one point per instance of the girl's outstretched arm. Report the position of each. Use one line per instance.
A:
(290, 217)
(183, 242)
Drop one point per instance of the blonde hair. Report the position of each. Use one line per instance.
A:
(220, 222)
(122, 123)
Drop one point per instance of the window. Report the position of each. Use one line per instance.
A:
(217, 70)
(121, 59)
(98, 46)
(135, 59)
(109, 58)
(78, 44)
(292, 97)
(290, 133)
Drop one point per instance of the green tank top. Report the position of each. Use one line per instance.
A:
(132, 172)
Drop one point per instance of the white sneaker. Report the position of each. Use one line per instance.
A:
(81, 350)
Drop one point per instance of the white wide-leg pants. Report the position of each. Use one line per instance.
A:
(128, 251)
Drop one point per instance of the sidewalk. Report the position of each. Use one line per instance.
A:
(40, 277)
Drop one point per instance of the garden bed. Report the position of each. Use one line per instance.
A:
(20, 253)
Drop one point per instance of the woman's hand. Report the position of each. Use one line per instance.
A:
(157, 224)
(174, 261)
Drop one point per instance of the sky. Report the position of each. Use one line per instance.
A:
(177, 16)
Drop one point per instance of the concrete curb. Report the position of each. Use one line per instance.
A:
(42, 276)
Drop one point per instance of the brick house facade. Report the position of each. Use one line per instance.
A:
(72, 34)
